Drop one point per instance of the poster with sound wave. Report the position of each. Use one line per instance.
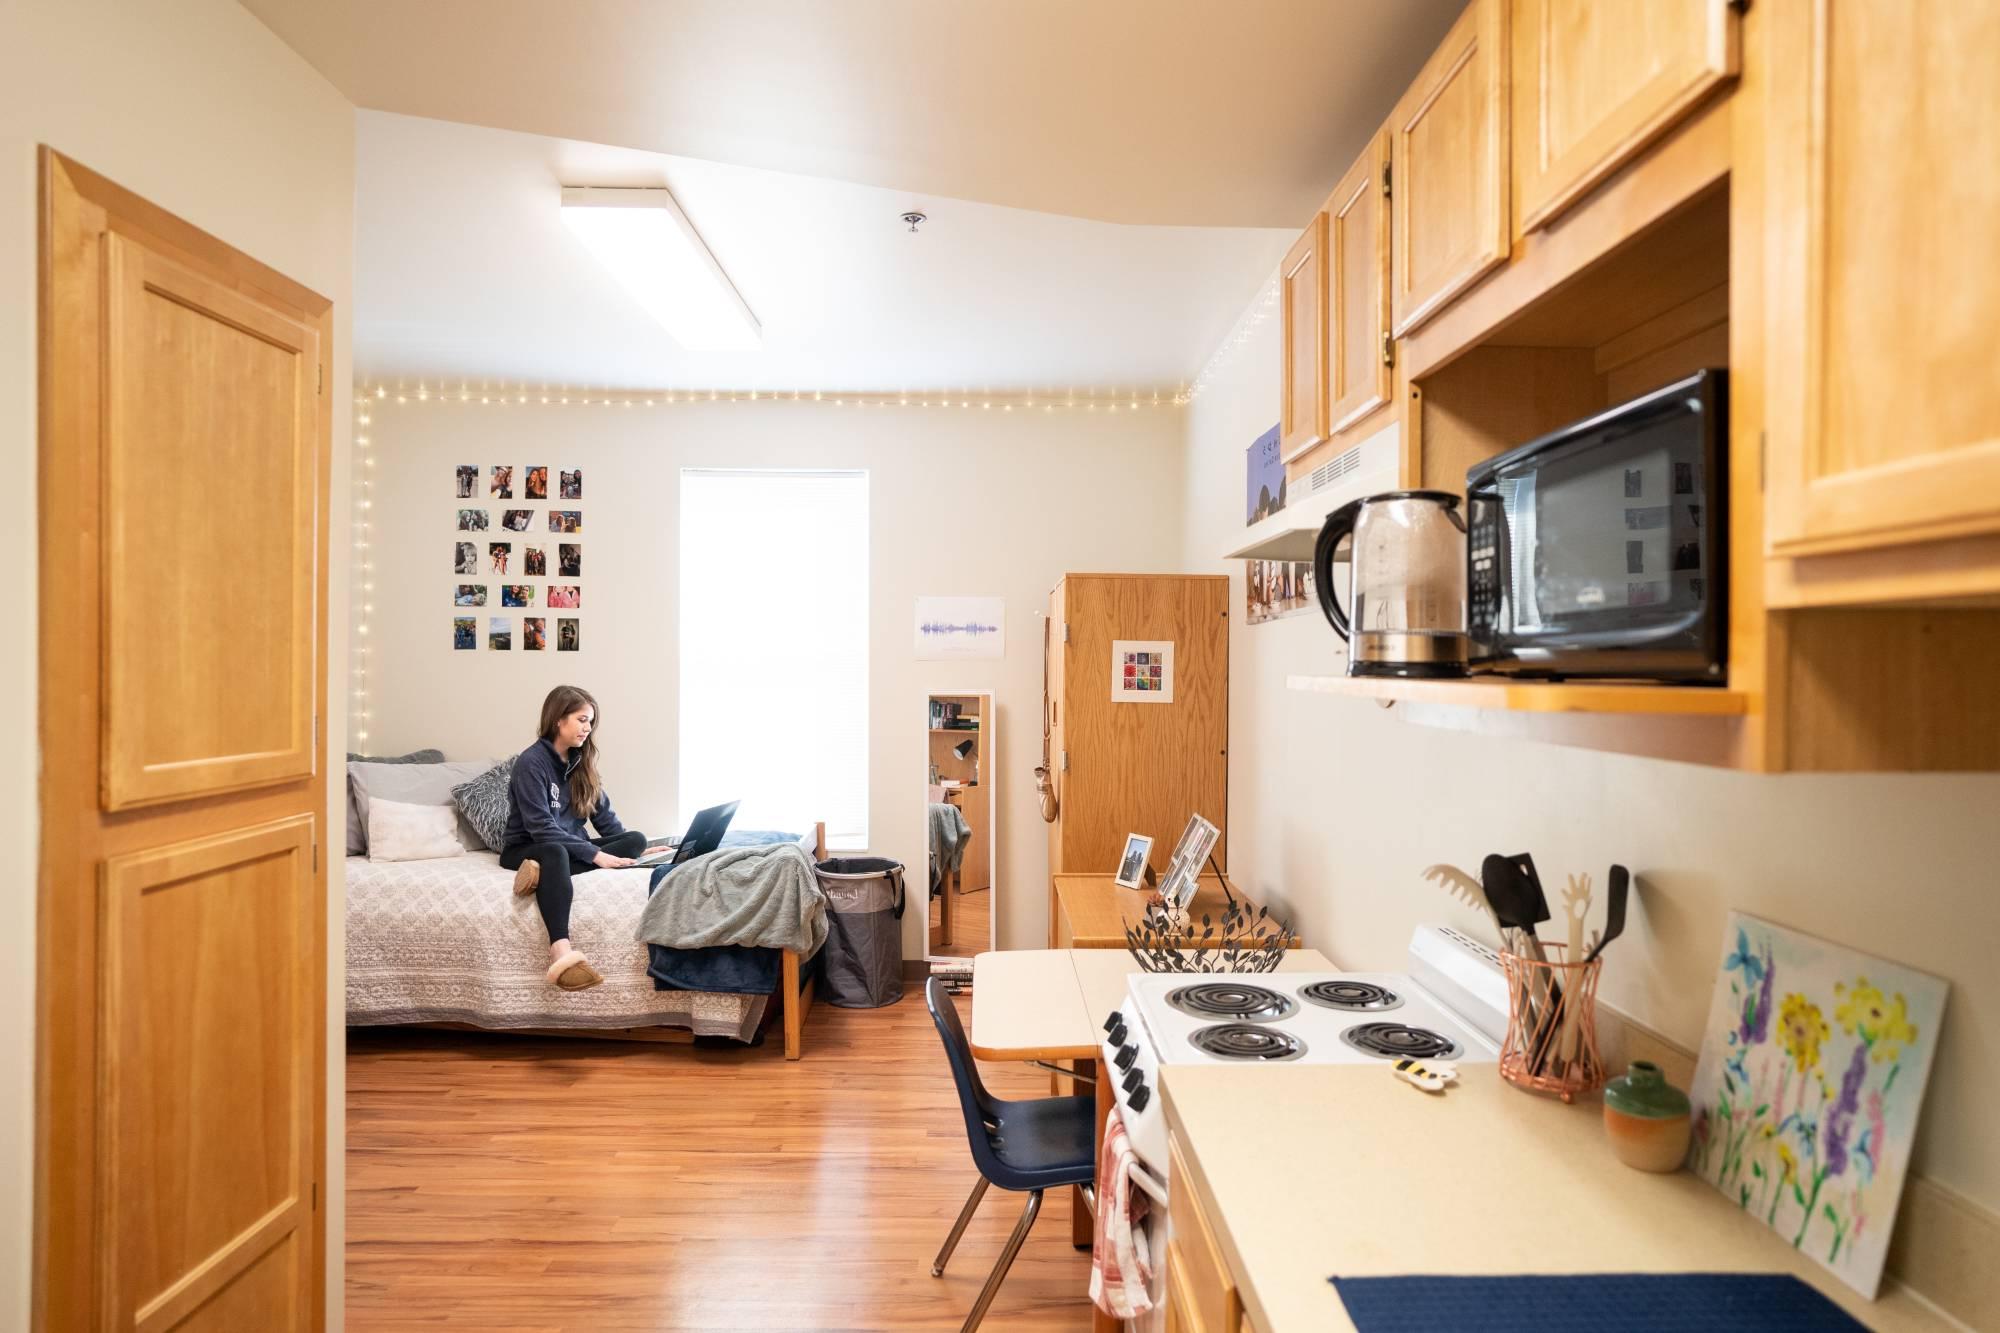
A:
(961, 627)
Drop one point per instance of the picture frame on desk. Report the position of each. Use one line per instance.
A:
(1183, 877)
(1133, 870)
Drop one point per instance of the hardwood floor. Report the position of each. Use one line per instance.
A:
(519, 1184)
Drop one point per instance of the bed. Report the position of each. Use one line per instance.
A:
(447, 942)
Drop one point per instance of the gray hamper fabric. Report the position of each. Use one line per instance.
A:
(357, 829)
(862, 963)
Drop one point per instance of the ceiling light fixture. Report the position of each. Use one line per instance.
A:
(644, 240)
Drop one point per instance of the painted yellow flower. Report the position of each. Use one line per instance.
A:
(1884, 1023)
(1787, 1163)
(1802, 1029)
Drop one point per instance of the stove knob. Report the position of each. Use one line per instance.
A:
(1113, 1021)
(1118, 1033)
(1140, 1096)
(1126, 1055)
(1134, 1079)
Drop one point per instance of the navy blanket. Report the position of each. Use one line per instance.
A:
(728, 969)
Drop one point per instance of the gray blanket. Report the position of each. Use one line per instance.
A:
(766, 897)
(950, 835)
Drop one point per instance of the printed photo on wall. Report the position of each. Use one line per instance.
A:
(572, 484)
(565, 520)
(517, 594)
(468, 480)
(538, 483)
(500, 634)
(1274, 589)
(1264, 468)
(472, 520)
(568, 637)
(534, 561)
(565, 596)
(464, 633)
(1142, 671)
(517, 520)
(534, 634)
(469, 594)
(496, 556)
(951, 627)
(465, 559)
(569, 559)
(502, 487)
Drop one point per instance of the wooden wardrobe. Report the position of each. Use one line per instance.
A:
(1135, 766)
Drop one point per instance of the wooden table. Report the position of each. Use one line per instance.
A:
(1050, 1004)
(1093, 912)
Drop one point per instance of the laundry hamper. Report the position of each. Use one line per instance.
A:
(862, 964)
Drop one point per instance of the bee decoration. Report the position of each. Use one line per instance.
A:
(1430, 1077)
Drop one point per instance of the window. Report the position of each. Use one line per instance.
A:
(774, 649)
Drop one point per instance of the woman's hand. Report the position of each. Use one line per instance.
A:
(606, 861)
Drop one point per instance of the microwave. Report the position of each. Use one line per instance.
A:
(1601, 549)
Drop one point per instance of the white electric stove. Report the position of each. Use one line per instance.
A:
(1450, 1007)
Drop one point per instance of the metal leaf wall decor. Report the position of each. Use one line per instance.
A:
(1241, 942)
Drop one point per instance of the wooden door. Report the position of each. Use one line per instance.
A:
(1449, 145)
(181, 988)
(1053, 753)
(1358, 348)
(1594, 83)
(1883, 300)
(1302, 280)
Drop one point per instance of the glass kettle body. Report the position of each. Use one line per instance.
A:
(1406, 583)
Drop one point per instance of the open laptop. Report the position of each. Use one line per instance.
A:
(704, 835)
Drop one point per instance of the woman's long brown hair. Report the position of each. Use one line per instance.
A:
(585, 786)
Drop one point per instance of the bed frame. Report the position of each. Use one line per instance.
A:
(795, 1002)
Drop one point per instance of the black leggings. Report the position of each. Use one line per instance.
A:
(553, 893)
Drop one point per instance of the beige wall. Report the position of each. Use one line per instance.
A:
(1337, 806)
(976, 502)
(196, 106)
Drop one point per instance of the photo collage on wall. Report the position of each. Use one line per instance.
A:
(515, 555)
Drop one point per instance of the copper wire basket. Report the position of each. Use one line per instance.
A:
(1551, 1043)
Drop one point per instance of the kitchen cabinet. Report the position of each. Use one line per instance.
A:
(1201, 1295)
(1359, 351)
(1449, 185)
(1595, 83)
(1302, 412)
(1883, 421)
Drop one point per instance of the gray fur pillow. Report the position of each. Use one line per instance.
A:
(357, 827)
(484, 803)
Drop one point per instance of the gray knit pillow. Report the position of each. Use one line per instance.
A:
(357, 828)
(483, 801)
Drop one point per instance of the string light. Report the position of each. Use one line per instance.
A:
(1247, 323)
(364, 564)
(1087, 398)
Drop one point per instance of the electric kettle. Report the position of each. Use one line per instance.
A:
(1407, 574)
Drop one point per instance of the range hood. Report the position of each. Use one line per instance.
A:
(1368, 468)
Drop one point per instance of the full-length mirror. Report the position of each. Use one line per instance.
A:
(959, 782)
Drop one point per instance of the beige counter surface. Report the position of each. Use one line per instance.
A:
(1482, 1180)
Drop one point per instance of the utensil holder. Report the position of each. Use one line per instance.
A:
(1551, 1043)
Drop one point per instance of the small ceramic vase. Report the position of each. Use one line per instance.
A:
(1646, 1119)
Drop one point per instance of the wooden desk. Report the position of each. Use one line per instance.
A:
(1093, 912)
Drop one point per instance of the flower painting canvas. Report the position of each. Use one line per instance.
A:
(1812, 1072)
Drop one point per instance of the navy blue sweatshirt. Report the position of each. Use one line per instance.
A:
(538, 806)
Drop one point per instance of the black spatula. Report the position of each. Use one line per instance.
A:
(1614, 911)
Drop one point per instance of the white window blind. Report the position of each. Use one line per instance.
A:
(774, 649)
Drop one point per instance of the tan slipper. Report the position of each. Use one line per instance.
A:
(571, 972)
(527, 878)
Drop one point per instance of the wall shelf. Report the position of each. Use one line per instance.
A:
(1522, 696)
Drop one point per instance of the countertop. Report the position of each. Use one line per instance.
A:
(1484, 1179)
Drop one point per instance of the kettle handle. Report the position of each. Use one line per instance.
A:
(1340, 523)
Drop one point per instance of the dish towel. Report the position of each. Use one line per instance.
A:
(1120, 1267)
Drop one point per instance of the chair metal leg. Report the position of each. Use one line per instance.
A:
(1005, 1262)
(958, 1227)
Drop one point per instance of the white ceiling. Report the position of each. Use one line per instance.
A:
(1183, 112)
(464, 271)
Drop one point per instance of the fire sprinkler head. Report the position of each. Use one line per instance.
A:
(913, 218)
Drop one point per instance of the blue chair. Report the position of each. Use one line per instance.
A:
(1031, 1145)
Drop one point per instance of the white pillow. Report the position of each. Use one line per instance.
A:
(400, 831)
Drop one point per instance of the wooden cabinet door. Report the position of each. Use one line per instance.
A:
(1593, 83)
(1449, 145)
(1883, 297)
(1302, 415)
(1358, 348)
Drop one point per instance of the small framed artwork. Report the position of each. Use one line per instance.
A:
(1142, 671)
(1132, 865)
(1183, 877)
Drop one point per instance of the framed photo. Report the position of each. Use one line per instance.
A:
(1183, 877)
(1132, 865)
(1142, 671)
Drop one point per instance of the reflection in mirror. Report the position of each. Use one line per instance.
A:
(959, 785)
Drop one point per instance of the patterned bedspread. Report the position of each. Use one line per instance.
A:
(446, 941)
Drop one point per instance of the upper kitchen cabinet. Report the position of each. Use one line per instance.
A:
(1594, 83)
(1359, 350)
(1882, 434)
(1302, 279)
(1449, 144)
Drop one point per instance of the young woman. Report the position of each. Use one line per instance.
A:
(555, 791)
